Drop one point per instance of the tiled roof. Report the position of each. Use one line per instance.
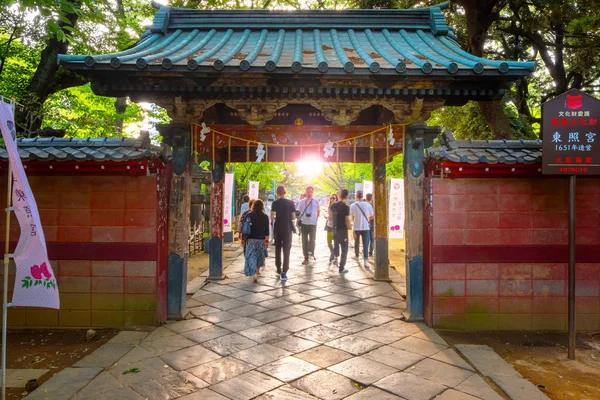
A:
(411, 42)
(90, 149)
(487, 151)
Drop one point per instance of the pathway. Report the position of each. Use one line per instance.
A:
(317, 335)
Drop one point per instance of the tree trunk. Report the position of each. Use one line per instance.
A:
(41, 85)
(493, 112)
(120, 106)
(480, 14)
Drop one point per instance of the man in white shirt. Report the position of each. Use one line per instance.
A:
(361, 213)
(309, 213)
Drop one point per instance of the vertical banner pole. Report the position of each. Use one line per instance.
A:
(213, 149)
(572, 332)
(5, 272)
(229, 151)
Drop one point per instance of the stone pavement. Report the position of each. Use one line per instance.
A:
(318, 335)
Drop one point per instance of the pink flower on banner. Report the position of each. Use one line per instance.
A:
(36, 272)
(44, 268)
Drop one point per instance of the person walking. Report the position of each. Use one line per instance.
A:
(371, 225)
(257, 241)
(339, 215)
(241, 223)
(361, 213)
(245, 204)
(309, 214)
(283, 213)
(329, 228)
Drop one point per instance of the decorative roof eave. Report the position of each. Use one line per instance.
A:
(87, 149)
(415, 42)
(487, 152)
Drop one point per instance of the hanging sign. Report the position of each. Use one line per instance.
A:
(227, 202)
(367, 187)
(396, 211)
(253, 189)
(571, 144)
(35, 282)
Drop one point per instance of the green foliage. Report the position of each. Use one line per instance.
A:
(83, 114)
(19, 66)
(466, 122)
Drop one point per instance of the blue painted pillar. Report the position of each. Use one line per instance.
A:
(215, 266)
(177, 135)
(418, 137)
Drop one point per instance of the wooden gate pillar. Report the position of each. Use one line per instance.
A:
(382, 260)
(418, 137)
(177, 135)
(215, 266)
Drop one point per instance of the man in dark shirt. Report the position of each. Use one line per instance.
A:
(339, 213)
(283, 212)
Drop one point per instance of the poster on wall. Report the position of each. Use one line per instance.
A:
(367, 187)
(396, 211)
(358, 186)
(227, 202)
(253, 189)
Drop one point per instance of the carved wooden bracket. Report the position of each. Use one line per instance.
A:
(341, 112)
(408, 113)
(185, 110)
(256, 113)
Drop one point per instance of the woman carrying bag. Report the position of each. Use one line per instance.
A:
(255, 229)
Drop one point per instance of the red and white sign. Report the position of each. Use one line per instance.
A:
(35, 283)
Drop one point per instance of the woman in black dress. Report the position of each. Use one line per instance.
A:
(257, 241)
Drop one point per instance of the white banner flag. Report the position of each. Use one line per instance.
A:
(35, 282)
(367, 187)
(396, 211)
(227, 202)
(253, 189)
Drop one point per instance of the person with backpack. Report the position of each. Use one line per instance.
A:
(309, 213)
(283, 213)
(361, 213)
(241, 223)
(339, 215)
(255, 230)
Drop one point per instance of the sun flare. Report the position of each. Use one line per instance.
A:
(309, 167)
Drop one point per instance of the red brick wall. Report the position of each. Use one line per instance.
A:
(85, 212)
(499, 254)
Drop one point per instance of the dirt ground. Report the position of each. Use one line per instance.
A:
(542, 358)
(197, 264)
(397, 255)
(53, 350)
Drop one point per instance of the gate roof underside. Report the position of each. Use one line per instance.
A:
(311, 53)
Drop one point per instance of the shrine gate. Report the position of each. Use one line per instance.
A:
(251, 75)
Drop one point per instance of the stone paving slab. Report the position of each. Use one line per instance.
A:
(247, 386)
(102, 383)
(221, 369)
(317, 336)
(64, 384)
(326, 385)
(409, 386)
(170, 386)
(104, 356)
(372, 393)
(362, 370)
(17, 378)
(132, 338)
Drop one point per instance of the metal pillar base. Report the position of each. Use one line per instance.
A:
(215, 266)
(176, 286)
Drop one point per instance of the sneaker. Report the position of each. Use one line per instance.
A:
(305, 262)
(335, 262)
(366, 261)
(343, 272)
(283, 277)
